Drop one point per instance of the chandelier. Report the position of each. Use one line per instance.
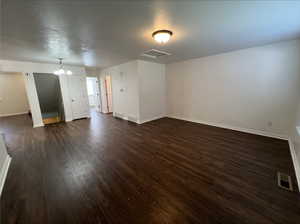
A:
(61, 70)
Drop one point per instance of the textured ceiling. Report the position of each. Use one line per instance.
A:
(104, 33)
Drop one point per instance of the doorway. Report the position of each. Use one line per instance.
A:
(50, 99)
(106, 94)
(93, 90)
(78, 96)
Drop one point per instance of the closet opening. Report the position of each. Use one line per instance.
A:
(50, 98)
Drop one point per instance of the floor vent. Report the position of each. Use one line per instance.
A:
(284, 181)
(155, 53)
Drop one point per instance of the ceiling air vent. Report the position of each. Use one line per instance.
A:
(155, 53)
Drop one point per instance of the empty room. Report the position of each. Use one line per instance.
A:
(149, 111)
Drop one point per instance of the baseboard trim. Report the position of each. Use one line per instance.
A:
(151, 119)
(3, 172)
(295, 161)
(14, 114)
(246, 130)
(126, 118)
(38, 125)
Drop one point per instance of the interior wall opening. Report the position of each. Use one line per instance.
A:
(93, 89)
(50, 98)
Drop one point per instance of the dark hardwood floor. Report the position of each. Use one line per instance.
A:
(106, 170)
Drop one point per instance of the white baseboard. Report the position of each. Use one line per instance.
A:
(246, 130)
(295, 161)
(3, 172)
(121, 116)
(151, 119)
(38, 125)
(14, 114)
(126, 118)
(133, 119)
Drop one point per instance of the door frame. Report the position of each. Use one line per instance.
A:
(104, 95)
(88, 115)
(96, 84)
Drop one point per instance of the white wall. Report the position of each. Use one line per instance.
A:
(13, 98)
(124, 90)
(138, 90)
(249, 88)
(66, 98)
(152, 90)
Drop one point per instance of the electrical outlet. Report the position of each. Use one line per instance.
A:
(1, 99)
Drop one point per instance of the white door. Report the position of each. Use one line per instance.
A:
(79, 96)
(97, 95)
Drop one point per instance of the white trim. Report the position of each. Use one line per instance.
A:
(4, 171)
(38, 125)
(151, 119)
(33, 99)
(295, 160)
(125, 118)
(13, 114)
(246, 130)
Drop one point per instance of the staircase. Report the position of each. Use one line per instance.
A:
(51, 117)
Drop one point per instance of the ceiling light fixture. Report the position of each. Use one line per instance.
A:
(61, 70)
(162, 36)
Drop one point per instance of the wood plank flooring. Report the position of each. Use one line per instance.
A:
(105, 170)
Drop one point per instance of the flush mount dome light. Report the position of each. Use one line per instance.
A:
(162, 36)
(61, 70)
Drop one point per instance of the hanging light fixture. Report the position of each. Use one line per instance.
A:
(162, 36)
(61, 70)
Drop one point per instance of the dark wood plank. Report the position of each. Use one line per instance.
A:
(105, 170)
